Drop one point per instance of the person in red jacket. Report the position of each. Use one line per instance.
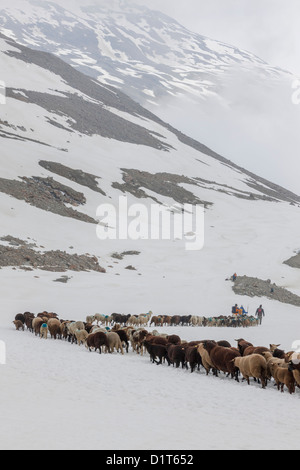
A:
(260, 313)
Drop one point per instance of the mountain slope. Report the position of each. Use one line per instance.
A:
(87, 144)
(201, 86)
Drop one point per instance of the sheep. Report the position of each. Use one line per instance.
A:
(64, 330)
(44, 331)
(174, 339)
(156, 339)
(81, 336)
(100, 339)
(167, 320)
(90, 319)
(20, 317)
(157, 350)
(28, 320)
(222, 358)
(74, 326)
(192, 357)
(137, 339)
(55, 328)
(283, 377)
(242, 345)
(205, 358)
(294, 367)
(132, 321)
(254, 365)
(36, 325)
(114, 342)
(90, 341)
(277, 352)
(157, 320)
(99, 318)
(224, 343)
(120, 318)
(194, 320)
(273, 360)
(176, 355)
(123, 338)
(19, 325)
(142, 320)
(255, 350)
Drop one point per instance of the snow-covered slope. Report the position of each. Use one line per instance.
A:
(57, 115)
(130, 46)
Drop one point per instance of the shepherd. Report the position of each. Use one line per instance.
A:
(260, 313)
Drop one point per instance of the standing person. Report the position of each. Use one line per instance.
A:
(260, 313)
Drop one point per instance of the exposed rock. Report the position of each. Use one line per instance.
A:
(164, 184)
(294, 261)
(79, 176)
(254, 287)
(63, 279)
(56, 261)
(47, 194)
(125, 253)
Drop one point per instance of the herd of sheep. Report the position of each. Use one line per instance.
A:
(263, 364)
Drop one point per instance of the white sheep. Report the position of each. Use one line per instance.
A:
(114, 342)
(44, 331)
(81, 336)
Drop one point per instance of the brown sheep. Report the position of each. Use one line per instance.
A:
(255, 350)
(28, 320)
(100, 339)
(277, 352)
(55, 328)
(283, 377)
(156, 339)
(36, 324)
(222, 358)
(20, 317)
(175, 320)
(157, 350)
(294, 367)
(173, 339)
(192, 357)
(137, 338)
(158, 321)
(19, 325)
(273, 360)
(254, 365)
(242, 345)
(90, 341)
(124, 338)
(176, 355)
